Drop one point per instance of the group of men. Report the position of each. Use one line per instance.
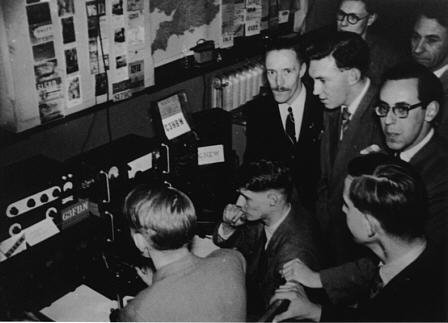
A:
(342, 201)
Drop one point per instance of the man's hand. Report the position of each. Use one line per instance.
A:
(232, 217)
(300, 307)
(370, 149)
(145, 274)
(296, 270)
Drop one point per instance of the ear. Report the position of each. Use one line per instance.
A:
(373, 226)
(302, 69)
(431, 111)
(372, 18)
(141, 243)
(273, 198)
(354, 75)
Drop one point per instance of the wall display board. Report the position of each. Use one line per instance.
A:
(59, 57)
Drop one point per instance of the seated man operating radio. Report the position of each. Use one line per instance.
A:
(184, 287)
(268, 228)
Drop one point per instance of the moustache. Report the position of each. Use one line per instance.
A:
(281, 89)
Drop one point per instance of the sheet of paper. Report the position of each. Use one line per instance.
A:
(82, 305)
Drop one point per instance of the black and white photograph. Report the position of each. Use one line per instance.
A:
(71, 60)
(68, 30)
(224, 161)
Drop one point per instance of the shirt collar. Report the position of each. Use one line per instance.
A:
(354, 105)
(270, 229)
(390, 270)
(408, 154)
(441, 70)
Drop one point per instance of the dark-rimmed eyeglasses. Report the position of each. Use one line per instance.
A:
(401, 109)
(352, 19)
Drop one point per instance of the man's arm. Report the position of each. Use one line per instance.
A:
(343, 284)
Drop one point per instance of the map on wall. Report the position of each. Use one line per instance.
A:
(177, 25)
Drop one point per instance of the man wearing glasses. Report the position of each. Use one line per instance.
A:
(409, 101)
(358, 16)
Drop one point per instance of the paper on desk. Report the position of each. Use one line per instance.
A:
(82, 305)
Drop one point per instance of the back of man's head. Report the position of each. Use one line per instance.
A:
(264, 175)
(391, 191)
(164, 215)
(429, 86)
(348, 49)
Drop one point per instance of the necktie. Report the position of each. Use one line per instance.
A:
(377, 285)
(345, 120)
(290, 126)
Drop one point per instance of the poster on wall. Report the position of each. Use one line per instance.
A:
(39, 22)
(227, 17)
(253, 17)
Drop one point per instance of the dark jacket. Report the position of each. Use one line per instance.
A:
(266, 138)
(294, 238)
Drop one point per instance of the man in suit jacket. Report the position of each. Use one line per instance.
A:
(429, 45)
(268, 229)
(338, 66)
(267, 117)
(184, 287)
(410, 135)
(386, 211)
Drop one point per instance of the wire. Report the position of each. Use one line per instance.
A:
(109, 128)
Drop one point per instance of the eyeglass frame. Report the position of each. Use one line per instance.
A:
(341, 15)
(408, 107)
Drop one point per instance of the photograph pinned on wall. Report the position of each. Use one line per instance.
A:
(95, 8)
(92, 26)
(68, 30)
(136, 75)
(120, 61)
(101, 84)
(65, 7)
(117, 7)
(119, 35)
(51, 103)
(135, 5)
(39, 22)
(71, 60)
(46, 70)
(73, 93)
(43, 51)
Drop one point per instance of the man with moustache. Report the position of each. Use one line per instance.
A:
(285, 124)
(409, 102)
(429, 45)
(338, 66)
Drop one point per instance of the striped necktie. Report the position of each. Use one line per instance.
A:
(345, 120)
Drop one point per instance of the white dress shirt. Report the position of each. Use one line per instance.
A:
(408, 154)
(441, 70)
(298, 106)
